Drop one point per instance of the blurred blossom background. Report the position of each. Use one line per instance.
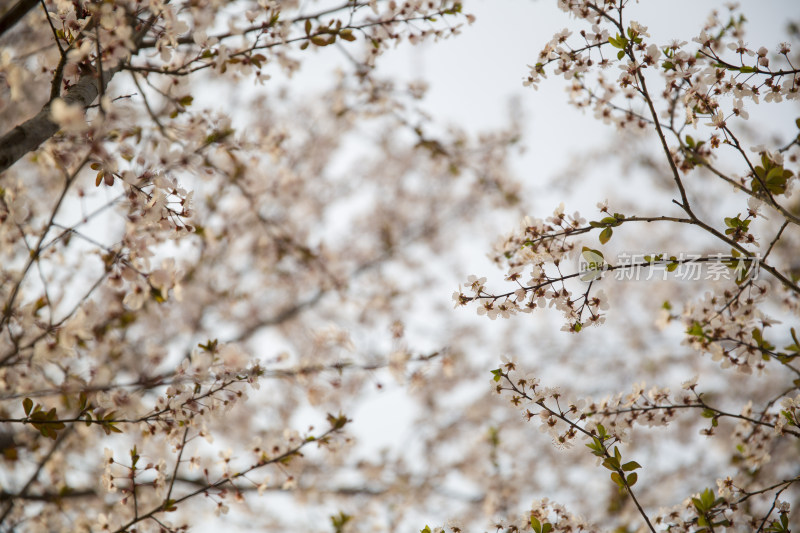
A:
(429, 421)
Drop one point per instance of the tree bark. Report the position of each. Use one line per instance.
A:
(30, 134)
(15, 14)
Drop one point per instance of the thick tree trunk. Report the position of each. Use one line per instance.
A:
(15, 14)
(30, 134)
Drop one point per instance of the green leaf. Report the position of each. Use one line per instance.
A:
(597, 447)
(632, 479)
(27, 405)
(498, 374)
(618, 42)
(319, 40)
(696, 330)
(611, 463)
(605, 235)
(708, 498)
(593, 257)
(338, 522)
(705, 503)
(110, 428)
(535, 524)
(698, 505)
(616, 478)
(337, 422)
(673, 265)
(210, 345)
(763, 344)
(773, 176)
(630, 466)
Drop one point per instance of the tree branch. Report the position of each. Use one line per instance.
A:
(15, 14)
(30, 134)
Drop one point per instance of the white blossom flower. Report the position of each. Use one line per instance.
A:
(70, 117)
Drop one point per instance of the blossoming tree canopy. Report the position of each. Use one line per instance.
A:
(160, 261)
(691, 98)
(215, 290)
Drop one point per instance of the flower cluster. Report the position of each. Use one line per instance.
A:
(536, 255)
